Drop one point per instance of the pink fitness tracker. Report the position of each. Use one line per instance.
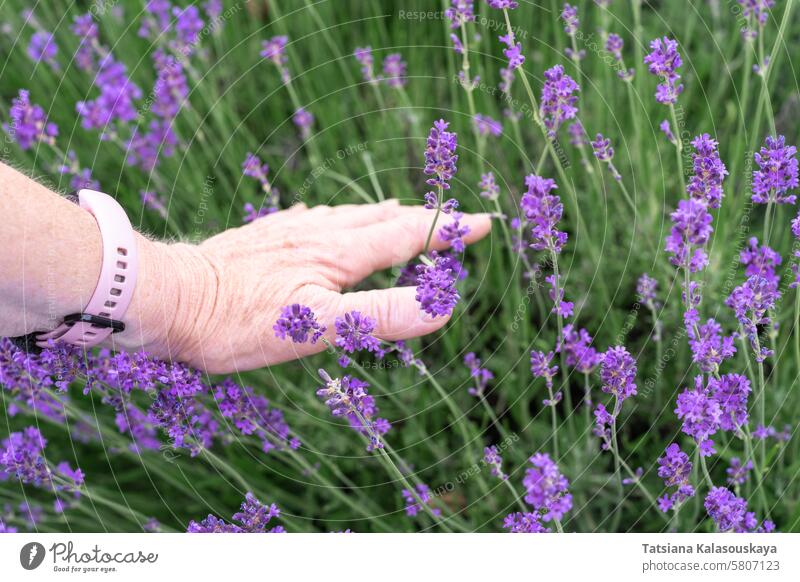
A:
(114, 291)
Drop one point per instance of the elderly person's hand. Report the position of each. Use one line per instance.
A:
(214, 305)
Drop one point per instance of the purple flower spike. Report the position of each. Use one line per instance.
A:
(481, 375)
(569, 14)
(436, 286)
(347, 397)
(253, 517)
(488, 186)
(43, 49)
(558, 99)
(394, 70)
(752, 302)
(663, 61)
(602, 148)
(502, 4)
(690, 233)
(667, 130)
(729, 513)
(701, 415)
(675, 468)
(364, 57)
(513, 53)
(543, 211)
(298, 322)
(524, 523)
(777, 173)
(709, 172)
(546, 488)
(485, 125)
(274, 50)
(491, 456)
(29, 124)
(737, 472)
(354, 333)
(618, 373)
(303, 119)
(614, 45)
(413, 507)
(460, 12)
(440, 155)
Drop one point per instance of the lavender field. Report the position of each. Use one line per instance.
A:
(623, 349)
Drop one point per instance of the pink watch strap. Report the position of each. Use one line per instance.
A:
(117, 280)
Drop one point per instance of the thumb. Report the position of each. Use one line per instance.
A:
(395, 310)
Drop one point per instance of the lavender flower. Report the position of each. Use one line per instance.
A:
(513, 53)
(481, 375)
(731, 392)
(460, 12)
(701, 415)
(524, 523)
(436, 286)
(188, 26)
(298, 321)
(348, 398)
(646, 288)
(454, 233)
(729, 512)
(602, 148)
(690, 233)
(274, 50)
(709, 347)
(751, 303)
(569, 14)
(440, 155)
(157, 21)
(546, 488)
(251, 414)
(756, 11)
(412, 505)
(557, 103)
(777, 173)
(543, 211)
(354, 332)
(663, 61)
(578, 351)
(667, 130)
(541, 368)
(253, 517)
(303, 119)
(761, 261)
(485, 125)
(147, 148)
(116, 100)
(488, 186)
(171, 89)
(394, 70)
(709, 172)
(675, 468)
(618, 373)
(491, 456)
(87, 32)
(364, 57)
(614, 45)
(502, 4)
(251, 213)
(43, 48)
(152, 201)
(29, 124)
(737, 472)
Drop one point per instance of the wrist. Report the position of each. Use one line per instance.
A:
(176, 287)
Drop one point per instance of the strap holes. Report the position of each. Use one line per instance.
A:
(119, 278)
(121, 251)
(116, 292)
(110, 304)
(122, 265)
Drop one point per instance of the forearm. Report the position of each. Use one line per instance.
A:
(50, 263)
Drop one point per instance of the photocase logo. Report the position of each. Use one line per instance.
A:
(31, 555)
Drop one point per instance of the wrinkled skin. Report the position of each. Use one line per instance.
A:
(213, 305)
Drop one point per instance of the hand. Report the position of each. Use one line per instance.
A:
(213, 305)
